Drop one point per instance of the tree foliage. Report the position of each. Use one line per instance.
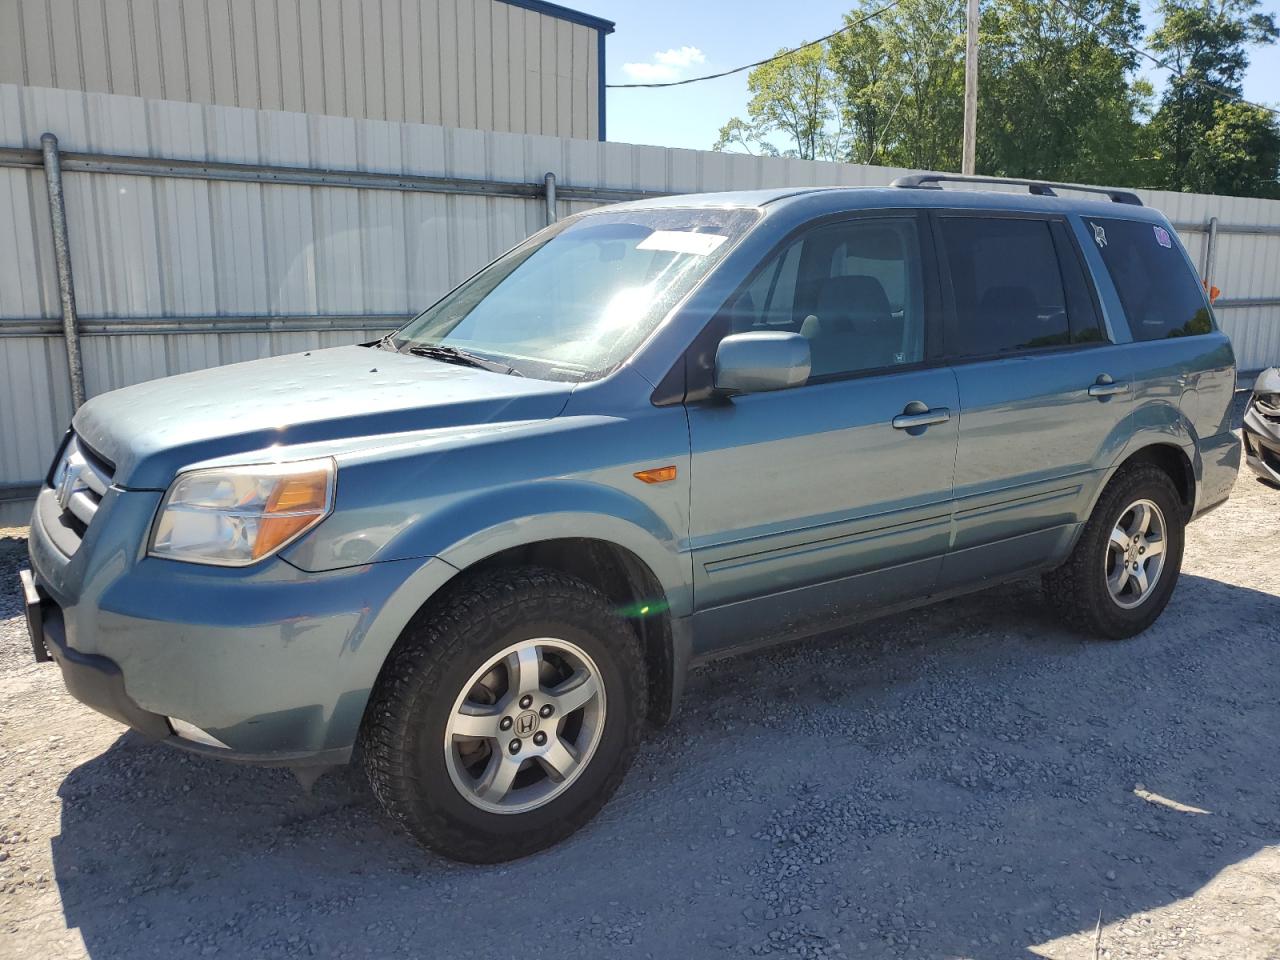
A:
(901, 83)
(1206, 40)
(1055, 97)
(1061, 97)
(792, 96)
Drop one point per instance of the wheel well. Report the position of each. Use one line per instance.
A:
(630, 586)
(1175, 463)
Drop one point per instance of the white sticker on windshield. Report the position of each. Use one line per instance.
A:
(681, 241)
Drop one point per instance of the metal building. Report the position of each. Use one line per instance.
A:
(521, 66)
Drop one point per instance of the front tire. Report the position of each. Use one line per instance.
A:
(1125, 565)
(506, 716)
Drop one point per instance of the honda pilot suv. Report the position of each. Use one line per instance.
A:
(481, 552)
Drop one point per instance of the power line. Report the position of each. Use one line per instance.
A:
(1223, 92)
(759, 63)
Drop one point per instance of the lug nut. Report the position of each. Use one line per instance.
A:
(546, 711)
(539, 738)
(1142, 550)
(504, 723)
(526, 702)
(514, 746)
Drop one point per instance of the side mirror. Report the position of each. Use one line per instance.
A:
(761, 360)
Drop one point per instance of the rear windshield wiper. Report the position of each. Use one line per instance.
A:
(447, 354)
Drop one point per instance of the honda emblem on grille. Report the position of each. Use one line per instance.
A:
(69, 484)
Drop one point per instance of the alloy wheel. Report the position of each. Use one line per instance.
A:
(525, 726)
(1136, 553)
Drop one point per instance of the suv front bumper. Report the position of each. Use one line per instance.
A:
(94, 680)
(1261, 445)
(268, 664)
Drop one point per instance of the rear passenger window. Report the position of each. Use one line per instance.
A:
(1161, 295)
(854, 290)
(1009, 290)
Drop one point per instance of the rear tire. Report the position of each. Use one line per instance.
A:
(506, 716)
(1125, 565)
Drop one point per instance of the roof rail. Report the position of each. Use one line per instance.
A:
(1041, 188)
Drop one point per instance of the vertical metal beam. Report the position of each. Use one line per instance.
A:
(601, 90)
(969, 153)
(1211, 251)
(62, 259)
(549, 187)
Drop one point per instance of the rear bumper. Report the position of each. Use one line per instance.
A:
(1219, 463)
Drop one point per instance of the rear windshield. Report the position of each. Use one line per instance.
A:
(575, 301)
(1161, 295)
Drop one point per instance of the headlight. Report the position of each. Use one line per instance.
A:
(235, 516)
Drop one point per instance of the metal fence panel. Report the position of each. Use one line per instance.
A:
(176, 273)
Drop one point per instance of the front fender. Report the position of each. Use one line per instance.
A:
(551, 510)
(450, 541)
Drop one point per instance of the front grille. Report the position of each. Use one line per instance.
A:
(1268, 405)
(1269, 457)
(80, 481)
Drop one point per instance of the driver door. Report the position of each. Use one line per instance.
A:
(813, 505)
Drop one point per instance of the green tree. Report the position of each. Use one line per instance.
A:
(1240, 153)
(900, 83)
(1056, 99)
(868, 89)
(1206, 42)
(793, 97)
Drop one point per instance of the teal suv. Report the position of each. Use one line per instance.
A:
(481, 552)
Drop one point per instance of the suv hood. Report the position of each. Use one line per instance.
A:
(152, 430)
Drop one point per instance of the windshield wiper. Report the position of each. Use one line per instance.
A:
(447, 354)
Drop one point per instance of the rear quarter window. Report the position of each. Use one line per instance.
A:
(1161, 295)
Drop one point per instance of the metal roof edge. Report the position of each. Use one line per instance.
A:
(565, 13)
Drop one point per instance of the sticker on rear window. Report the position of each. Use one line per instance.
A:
(1163, 238)
(1099, 236)
(681, 241)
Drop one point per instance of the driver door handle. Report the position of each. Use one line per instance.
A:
(916, 414)
(1104, 386)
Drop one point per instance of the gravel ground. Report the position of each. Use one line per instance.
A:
(969, 780)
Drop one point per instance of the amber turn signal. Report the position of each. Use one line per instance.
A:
(656, 474)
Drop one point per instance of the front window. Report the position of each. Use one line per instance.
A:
(575, 301)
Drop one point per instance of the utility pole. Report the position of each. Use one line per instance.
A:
(970, 92)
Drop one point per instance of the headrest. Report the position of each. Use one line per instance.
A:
(848, 302)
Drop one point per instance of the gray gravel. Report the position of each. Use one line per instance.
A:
(967, 780)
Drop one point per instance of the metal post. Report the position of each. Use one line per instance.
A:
(1211, 251)
(62, 259)
(969, 154)
(549, 185)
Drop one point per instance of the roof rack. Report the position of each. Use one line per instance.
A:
(1041, 188)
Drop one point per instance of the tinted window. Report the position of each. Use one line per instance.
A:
(1008, 287)
(855, 290)
(1160, 294)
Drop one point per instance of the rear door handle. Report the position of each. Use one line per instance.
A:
(916, 414)
(1104, 386)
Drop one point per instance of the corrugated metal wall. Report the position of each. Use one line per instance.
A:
(480, 64)
(177, 274)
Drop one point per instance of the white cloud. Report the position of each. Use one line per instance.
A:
(666, 65)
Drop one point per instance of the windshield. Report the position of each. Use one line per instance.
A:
(576, 300)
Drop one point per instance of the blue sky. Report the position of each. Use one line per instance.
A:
(666, 39)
